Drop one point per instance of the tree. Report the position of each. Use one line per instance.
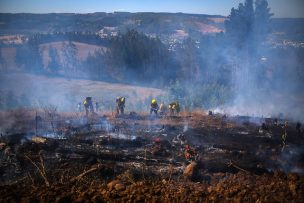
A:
(239, 26)
(247, 27)
(262, 20)
(246, 30)
(53, 64)
(177, 92)
(94, 65)
(35, 56)
(29, 57)
(189, 60)
(70, 61)
(134, 54)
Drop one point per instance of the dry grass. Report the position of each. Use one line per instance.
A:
(56, 91)
(83, 50)
(205, 28)
(217, 20)
(9, 55)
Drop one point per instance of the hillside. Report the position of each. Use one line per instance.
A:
(157, 23)
(66, 93)
(13, 27)
(92, 31)
(83, 51)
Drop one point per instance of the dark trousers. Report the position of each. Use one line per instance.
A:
(153, 110)
(121, 109)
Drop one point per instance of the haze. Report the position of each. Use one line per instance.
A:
(281, 8)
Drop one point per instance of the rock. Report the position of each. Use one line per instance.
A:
(112, 184)
(116, 184)
(119, 187)
(103, 192)
(38, 139)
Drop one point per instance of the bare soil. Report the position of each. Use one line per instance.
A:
(136, 158)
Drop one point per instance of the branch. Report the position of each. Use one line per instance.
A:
(42, 173)
(80, 176)
(230, 163)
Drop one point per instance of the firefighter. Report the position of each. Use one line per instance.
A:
(162, 109)
(120, 104)
(174, 108)
(154, 107)
(88, 105)
(190, 153)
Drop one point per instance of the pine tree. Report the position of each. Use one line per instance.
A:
(262, 20)
(35, 56)
(53, 65)
(247, 27)
(239, 26)
(70, 61)
(189, 60)
(246, 30)
(94, 65)
(29, 58)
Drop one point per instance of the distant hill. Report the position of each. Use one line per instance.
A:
(150, 23)
(167, 26)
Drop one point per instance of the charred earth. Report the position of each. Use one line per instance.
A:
(136, 157)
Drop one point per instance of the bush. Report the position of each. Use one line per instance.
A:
(192, 96)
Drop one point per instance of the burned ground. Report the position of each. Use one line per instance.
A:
(137, 157)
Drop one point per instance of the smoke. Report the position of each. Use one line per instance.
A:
(269, 86)
(185, 128)
(266, 76)
(250, 78)
(291, 160)
(38, 91)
